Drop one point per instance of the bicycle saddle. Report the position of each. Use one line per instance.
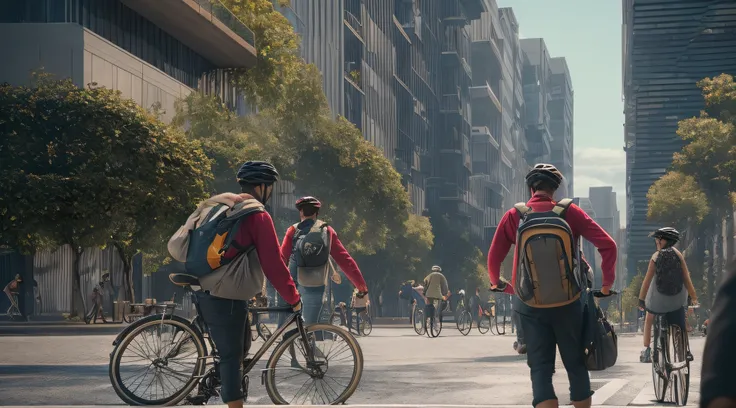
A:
(182, 279)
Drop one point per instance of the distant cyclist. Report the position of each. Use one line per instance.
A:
(667, 268)
(11, 291)
(436, 291)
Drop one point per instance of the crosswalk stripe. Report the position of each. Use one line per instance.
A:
(607, 391)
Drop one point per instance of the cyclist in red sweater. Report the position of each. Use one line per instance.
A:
(312, 287)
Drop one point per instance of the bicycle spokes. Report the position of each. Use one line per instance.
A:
(305, 380)
(158, 362)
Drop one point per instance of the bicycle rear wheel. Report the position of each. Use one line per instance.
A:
(464, 322)
(419, 326)
(680, 374)
(337, 343)
(660, 377)
(366, 324)
(173, 345)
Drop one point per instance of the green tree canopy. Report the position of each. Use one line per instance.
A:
(79, 167)
(677, 200)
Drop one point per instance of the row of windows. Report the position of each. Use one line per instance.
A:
(118, 24)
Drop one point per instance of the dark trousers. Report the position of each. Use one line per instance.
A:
(226, 320)
(544, 331)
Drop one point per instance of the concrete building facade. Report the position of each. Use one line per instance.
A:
(667, 48)
(128, 45)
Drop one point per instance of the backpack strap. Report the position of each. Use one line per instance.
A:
(562, 206)
(249, 207)
(523, 209)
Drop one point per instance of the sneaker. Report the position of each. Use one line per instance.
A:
(689, 356)
(646, 355)
(521, 349)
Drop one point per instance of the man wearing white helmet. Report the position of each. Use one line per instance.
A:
(436, 290)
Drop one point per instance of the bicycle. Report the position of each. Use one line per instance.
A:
(193, 335)
(671, 360)
(362, 324)
(463, 318)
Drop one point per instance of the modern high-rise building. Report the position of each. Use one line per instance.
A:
(561, 120)
(667, 47)
(491, 168)
(154, 52)
(515, 113)
(536, 79)
(603, 201)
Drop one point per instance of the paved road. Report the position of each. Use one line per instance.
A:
(401, 368)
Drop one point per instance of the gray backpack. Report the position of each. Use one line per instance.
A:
(312, 254)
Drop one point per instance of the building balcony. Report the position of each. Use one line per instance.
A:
(456, 54)
(453, 13)
(451, 103)
(488, 48)
(207, 27)
(474, 8)
(353, 78)
(485, 92)
(482, 134)
(354, 26)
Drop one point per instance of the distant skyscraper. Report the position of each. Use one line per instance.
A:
(667, 47)
(561, 119)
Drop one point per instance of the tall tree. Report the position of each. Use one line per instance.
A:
(82, 164)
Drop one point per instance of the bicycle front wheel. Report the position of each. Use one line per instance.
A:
(484, 324)
(464, 323)
(291, 378)
(158, 363)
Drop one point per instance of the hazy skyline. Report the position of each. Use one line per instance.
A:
(588, 34)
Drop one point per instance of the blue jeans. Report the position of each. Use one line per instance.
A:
(312, 305)
(225, 319)
(545, 330)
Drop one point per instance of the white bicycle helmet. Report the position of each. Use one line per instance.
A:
(461, 292)
(436, 269)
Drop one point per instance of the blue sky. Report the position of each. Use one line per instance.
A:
(588, 34)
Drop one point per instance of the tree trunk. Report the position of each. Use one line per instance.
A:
(718, 266)
(128, 287)
(78, 307)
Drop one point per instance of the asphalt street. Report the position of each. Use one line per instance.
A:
(401, 368)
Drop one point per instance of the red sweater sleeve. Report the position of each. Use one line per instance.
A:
(584, 226)
(264, 237)
(288, 244)
(346, 262)
(504, 237)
